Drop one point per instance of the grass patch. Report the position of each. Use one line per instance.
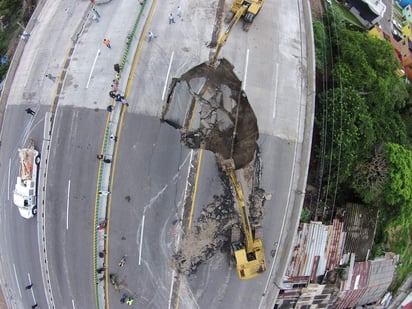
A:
(399, 241)
(347, 15)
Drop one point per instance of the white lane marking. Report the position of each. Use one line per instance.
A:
(276, 89)
(73, 304)
(167, 76)
(245, 75)
(288, 204)
(32, 292)
(171, 289)
(68, 206)
(92, 69)
(8, 181)
(17, 280)
(141, 240)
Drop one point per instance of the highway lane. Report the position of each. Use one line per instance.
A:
(270, 59)
(275, 92)
(178, 47)
(69, 237)
(71, 189)
(147, 199)
(44, 52)
(48, 43)
(20, 261)
(77, 136)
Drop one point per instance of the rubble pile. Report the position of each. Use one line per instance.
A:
(209, 233)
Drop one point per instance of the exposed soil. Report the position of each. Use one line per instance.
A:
(227, 125)
(212, 230)
(212, 112)
(317, 8)
(209, 233)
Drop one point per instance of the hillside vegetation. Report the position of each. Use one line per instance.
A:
(362, 150)
(14, 15)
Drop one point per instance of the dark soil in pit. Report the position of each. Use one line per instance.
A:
(227, 124)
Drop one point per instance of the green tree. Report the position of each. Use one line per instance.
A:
(371, 176)
(360, 110)
(321, 45)
(346, 128)
(398, 190)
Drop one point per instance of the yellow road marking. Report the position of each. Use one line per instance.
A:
(139, 47)
(199, 162)
(119, 133)
(95, 211)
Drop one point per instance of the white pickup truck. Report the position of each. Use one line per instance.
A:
(25, 191)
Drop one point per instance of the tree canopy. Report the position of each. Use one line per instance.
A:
(360, 110)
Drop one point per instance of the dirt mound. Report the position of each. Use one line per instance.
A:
(208, 234)
(213, 229)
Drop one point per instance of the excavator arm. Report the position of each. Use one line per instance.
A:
(247, 9)
(222, 40)
(247, 231)
(249, 255)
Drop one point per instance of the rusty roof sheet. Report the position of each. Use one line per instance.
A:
(317, 248)
(381, 274)
(369, 281)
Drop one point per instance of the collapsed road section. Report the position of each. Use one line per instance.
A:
(214, 95)
(212, 112)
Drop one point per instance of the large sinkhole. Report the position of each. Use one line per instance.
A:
(212, 112)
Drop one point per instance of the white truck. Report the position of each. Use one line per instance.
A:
(25, 191)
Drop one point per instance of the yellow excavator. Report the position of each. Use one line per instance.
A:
(248, 253)
(247, 9)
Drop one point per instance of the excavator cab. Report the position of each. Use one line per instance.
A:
(249, 265)
(246, 8)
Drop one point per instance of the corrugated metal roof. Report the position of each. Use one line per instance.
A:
(381, 273)
(360, 275)
(317, 248)
(367, 282)
(349, 298)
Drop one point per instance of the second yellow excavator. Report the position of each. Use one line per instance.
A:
(248, 9)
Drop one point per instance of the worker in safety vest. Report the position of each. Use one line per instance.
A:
(129, 301)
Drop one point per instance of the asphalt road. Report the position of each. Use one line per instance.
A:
(71, 189)
(20, 261)
(271, 61)
(152, 166)
(147, 195)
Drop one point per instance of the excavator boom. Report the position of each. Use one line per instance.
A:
(247, 9)
(222, 40)
(249, 255)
